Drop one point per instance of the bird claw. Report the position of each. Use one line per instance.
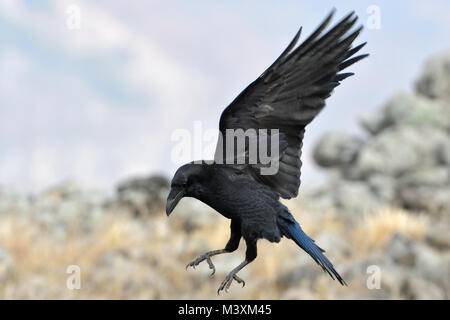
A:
(211, 266)
(197, 261)
(226, 283)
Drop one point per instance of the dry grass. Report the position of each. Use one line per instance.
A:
(376, 229)
(32, 247)
(313, 222)
(123, 257)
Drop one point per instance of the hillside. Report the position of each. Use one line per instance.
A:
(384, 207)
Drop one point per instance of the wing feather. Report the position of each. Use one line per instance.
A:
(289, 95)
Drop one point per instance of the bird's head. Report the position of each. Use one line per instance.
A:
(185, 183)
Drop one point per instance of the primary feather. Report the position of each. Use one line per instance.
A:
(290, 94)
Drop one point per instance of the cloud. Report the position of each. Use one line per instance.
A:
(95, 99)
(100, 103)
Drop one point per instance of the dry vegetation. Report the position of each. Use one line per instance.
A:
(375, 230)
(124, 257)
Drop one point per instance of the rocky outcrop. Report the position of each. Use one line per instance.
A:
(404, 161)
(143, 195)
(435, 80)
(337, 149)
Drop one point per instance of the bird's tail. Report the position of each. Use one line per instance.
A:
(292, 230)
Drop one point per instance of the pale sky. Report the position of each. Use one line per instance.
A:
(99, 103)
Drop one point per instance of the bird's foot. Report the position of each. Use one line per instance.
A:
(207, 257)
(226, 283)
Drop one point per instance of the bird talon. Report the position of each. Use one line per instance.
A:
(197, 261)
(211, 266)
(226, 283)
(239, 280)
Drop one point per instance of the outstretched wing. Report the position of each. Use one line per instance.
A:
(289, 94)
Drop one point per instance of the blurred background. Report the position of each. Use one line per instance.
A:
(92, 91)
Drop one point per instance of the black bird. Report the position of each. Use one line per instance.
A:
(287, 97)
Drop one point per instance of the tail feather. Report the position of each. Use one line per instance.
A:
(292, 230)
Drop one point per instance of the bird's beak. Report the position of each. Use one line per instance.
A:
(174, 197)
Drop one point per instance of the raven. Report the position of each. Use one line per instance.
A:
(287, 97)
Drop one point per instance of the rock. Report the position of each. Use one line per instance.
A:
(143, 196)
(408, 109)
(419, 289)
(429, 264)
(318, 198)
(305, 275)
(68, 189)
(444, 274)
(333, 243)
(423, 261)
(336, 149)
(348, 197)
(406, 160)
(401, 250)
(354, 197)
(361, 272)
(426, 189)
(435, 79)
(408, 269)
(194, 214)
(431, 177)
(66, 206)
(383, 187)
(7, 266)
(13, 202)
(424, 198)
(374, 122)
(398, 150)
(440, 242)
(438, 236)
(443, 153)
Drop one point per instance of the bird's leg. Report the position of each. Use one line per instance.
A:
(231, 246)
(206, 256)
(250, 255)
(226, 283)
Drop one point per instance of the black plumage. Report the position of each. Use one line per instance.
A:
(287, 96)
